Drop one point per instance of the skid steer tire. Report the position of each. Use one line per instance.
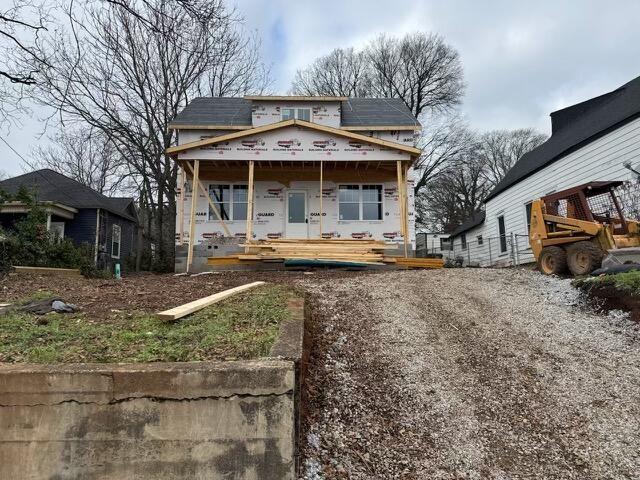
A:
(552, 261)
(584, 257)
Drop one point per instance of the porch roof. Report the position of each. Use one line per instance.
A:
(294, 122)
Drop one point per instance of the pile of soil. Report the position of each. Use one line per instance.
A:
(607, 297)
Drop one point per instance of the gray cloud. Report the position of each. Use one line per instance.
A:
(521, 59)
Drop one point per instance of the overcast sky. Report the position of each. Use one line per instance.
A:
(521, 60)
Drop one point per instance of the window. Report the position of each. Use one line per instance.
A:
(299, 113)
(240, 196)
(463, 241)
(230, 200)
(479, 238)
(116, 238)
(502, 231)
(221, 197)
(372, 202)
(360, 202)
(349, 200)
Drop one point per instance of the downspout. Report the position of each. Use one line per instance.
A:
(95, 249)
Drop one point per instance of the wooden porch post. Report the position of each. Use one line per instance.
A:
(192, 216)
(405, 203)
(249, 229)
(321, 195)
(182, 177)
(402, 200)
(198, 185)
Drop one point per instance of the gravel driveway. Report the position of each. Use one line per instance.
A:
(468, 373)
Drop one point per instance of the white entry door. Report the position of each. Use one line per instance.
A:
(297, 215)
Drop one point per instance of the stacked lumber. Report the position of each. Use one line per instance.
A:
(415, 262)
(364, 251)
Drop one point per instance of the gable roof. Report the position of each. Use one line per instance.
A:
(235, 113)
(288, 123)
(477, 218)
(576, 126)
(52, 186)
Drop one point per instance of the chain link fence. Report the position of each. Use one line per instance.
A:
(500, 251)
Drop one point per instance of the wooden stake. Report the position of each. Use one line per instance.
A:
(211, 204)
(182, 177)
(192, 216)
(249, 230)
(321, 195)
(405, 205)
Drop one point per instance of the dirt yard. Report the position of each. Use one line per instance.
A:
(470, 374)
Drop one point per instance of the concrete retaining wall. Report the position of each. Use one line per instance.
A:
(208, 420)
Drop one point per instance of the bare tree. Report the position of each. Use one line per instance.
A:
(419, 68)
(125, 68)
(343, 72)
(20, 26)
(499, 150)
(85, 155)
(443, 140)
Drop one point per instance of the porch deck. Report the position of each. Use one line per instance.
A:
(363, 252)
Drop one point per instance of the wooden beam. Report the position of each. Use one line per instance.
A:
(249, 230)
(321, 195)
(405, 204)
(211, 204)
(287, 123)
(177, 126)
(192, 215)
(400, 205)
(183, 179)
(63, 272)
(191, 307)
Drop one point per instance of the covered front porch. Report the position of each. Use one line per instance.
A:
(272, 210)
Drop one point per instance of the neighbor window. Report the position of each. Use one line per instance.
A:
(230, 200)
(479, 237)
(299, 113)
(116, 238)
(360, 202)
(463, 241)
(502, 231)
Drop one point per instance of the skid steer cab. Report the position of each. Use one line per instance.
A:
(574, 229)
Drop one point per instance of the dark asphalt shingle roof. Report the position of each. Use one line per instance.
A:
(576, 126)
(473, 221)
(356, 112)
(51, 186)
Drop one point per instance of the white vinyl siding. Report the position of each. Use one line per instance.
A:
(601, 159)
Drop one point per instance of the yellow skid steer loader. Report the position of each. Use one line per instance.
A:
(576, 228)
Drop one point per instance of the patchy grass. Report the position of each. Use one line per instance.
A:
(627, 281)
(242, 327)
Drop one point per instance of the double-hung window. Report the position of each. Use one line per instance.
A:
(360, 202)
(299, 113)
(463, 241)
(116, 240)
(230, 200)
(502, 231)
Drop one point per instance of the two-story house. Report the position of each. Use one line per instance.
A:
(283, 167)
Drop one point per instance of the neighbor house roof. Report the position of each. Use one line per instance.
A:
(287, 123)
(51, 186)
(235, 113)
(574, 127)
(473, 221)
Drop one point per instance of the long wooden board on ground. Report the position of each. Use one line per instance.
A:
(191, 307)
(63, 272)
(412, 262)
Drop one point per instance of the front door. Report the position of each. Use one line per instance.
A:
(297, 218)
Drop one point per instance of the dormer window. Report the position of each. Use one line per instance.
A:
(297, 113)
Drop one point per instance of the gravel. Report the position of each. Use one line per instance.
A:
(468, 373)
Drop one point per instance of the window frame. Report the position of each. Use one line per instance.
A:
(463, 241)
(502, 235)
(230, 203)
(115, 227)
(360, 202)
(296, 113)
(480, 240)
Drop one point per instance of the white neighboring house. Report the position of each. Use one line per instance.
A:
(595, 140)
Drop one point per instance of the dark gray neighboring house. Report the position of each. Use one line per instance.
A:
(76, 212)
